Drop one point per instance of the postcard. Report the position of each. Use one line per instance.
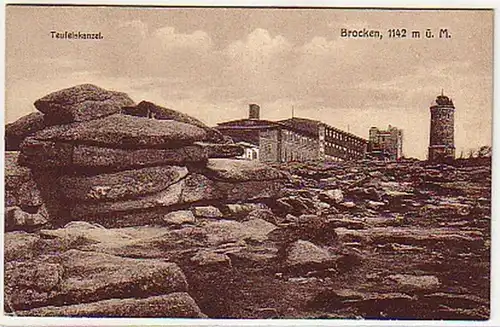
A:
(294, 164)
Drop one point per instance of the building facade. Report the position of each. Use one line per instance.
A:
(294, 139)
(442, 129)
(385, 144)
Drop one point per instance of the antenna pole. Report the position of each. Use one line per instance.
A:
(293, 111)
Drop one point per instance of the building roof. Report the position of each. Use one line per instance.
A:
(303, 125)
(246, 123)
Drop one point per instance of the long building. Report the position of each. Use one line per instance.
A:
(294, 139)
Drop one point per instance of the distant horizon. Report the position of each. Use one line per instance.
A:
(212, 63)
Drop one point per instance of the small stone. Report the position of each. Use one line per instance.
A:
(289, 218)
(412, 282)
(303, 253)
(17, 219)
(241, 209)
(207, 212)
(332, 196)
(179, 217)
(348, 204)
(374, 204)
(206, 258)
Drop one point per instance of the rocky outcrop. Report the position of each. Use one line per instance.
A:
(123, 159)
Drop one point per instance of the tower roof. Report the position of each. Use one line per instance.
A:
(442, 100)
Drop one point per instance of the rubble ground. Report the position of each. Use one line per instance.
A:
(372, 240)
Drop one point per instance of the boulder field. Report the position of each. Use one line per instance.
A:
(117, 209)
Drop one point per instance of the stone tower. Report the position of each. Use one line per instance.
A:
(442, 143)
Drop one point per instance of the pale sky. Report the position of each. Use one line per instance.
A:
(211, 63)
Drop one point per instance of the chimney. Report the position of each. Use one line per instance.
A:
(254, 111)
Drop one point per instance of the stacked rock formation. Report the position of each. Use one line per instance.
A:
(94, 156)
(118, 164)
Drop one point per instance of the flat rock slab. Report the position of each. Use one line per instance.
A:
(412, 236)
(46, 154)
(88, 234)
(174, 305)
(142, 241)
(207, 212)
(225, 231)
(123, 131)
(194, 188)
(82, 103)
(240, 170)
(76, 277)
(121, 185)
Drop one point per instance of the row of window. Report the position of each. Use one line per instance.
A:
(291, 136)
(343, 137)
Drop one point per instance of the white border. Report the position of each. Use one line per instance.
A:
(495, 228)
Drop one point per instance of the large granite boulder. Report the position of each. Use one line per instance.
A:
(76, 277)
(174, 305)
(43, 154)
(122, 131)
(120, 185)
(81, 103)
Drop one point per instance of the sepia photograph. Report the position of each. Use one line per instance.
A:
(284, 163)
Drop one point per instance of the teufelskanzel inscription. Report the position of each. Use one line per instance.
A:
(75, 35)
